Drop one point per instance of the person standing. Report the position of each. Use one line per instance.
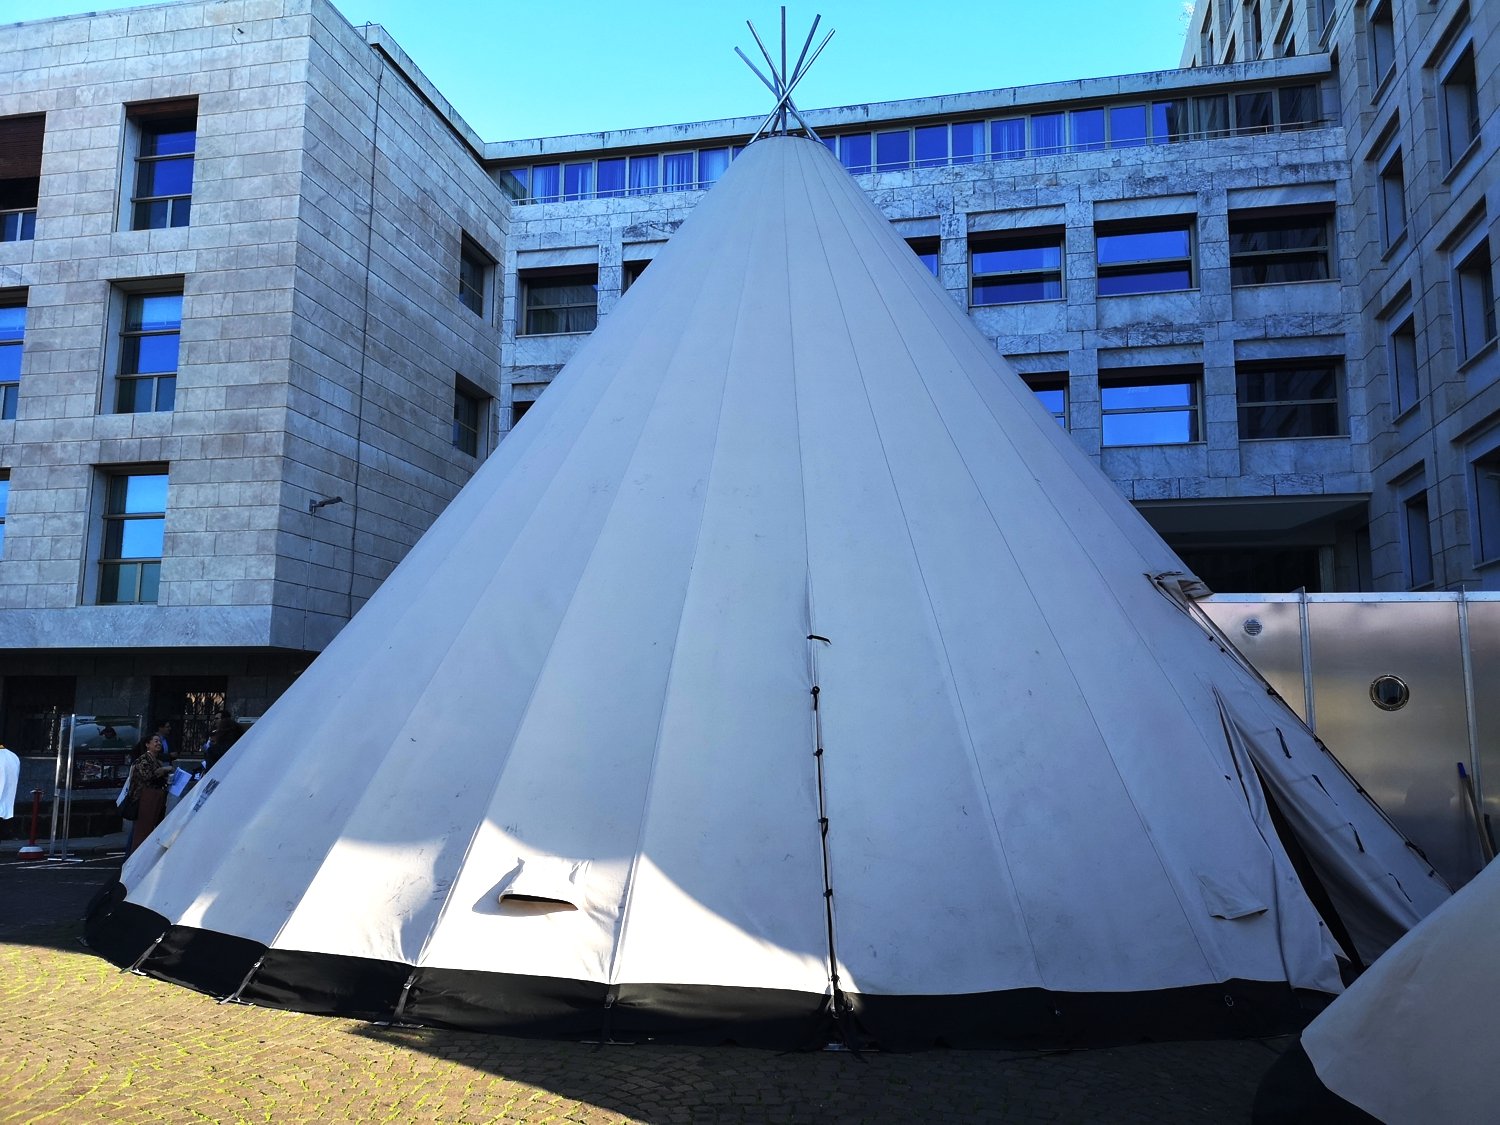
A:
(148, 792)
(10, 776)
(164, 732)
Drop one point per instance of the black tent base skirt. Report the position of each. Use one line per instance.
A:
(556, 1008)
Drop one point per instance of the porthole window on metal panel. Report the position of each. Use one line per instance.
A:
(1389, 693)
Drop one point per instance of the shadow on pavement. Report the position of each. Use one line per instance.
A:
(45, 901)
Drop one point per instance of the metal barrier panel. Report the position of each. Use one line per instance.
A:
(1269, 635)
(1484, 649)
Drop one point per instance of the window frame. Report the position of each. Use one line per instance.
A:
(1391, 185)
(1458, 106)
(1416, 536)
(1134, 378)
(1018, 241)
(1473, 287)
(150, 121)
(110, 519)
(1484, 482)
(557, 278)
(1244, 405)
(1284, 218)
(476, 266)
(159, 379)
(470, 410)
(1146, 267)
(1402, 359)
(10, 388)
(928, 247)
(1047, 383)
(1380, 29)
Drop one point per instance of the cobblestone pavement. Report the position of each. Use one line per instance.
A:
(83, 1043)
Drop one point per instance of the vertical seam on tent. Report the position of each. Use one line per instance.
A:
(971, 756)
(648, 799)
(979, 493)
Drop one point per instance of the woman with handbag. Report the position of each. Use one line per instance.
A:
(146, 803)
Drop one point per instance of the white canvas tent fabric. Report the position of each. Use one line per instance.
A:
(787, 666)
(1413, 1040)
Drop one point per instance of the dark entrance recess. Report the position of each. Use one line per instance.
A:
(192, 704)
(1241, 570)
(32, 707)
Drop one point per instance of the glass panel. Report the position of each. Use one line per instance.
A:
(1169, 121)
(1017, 258)
(1299, 106)
(1046, 134)
(1150, 281)
(644, 174)
(166, 177)
(145, 492)
(1087, 126)
(1143, 246)
(1253, 112)
(151, 216)
(1319, 419)
(546, 182)
(1009, 292)
(115, 584)
(1212, 115)
(178, 209)
(932, 145)
(150, 578)
(712, 163)
(154, 313)
(10, 363)
(140, 539)
(1136, 396)
(1055, 400)
(136, 396)
(168, 141)
(854, 152)
(578, 180)
(678, 170)
(1127, 126)
(830, 143)
(930, 260)
(166, 392)
(1008, 138)
(968, 142)
(610, 180)
(893, 150)
(142, 355)
(1165, 427)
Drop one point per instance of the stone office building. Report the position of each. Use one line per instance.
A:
(266, 301)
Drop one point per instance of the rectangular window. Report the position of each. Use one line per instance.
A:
(1254, 113)
(854, 152)
(1392, 200)
(546, 182)
(1086, 129)
(968, 142)
(1047, 137)
(609, 180)
(678, 170)
(1272, 247)
(1298, 106)
(135, 519)
(1211, 115)
(1127, 126)
(468, 417)
(645, 174)
(926, 249)
(712, 163)
(1418, 529)
(12, 344)
(1288, 399)
(555, 302)
(474, 268)
(1382, 44)
(20, 175)
(518, 409)
(4, 506)
(1255, 32)
(1486, 483)
(1149, 406)
(1169, 122)
(1051, 391)
(932, 145)
(893, 150)
(167, 139)
(149, 338)
(1145, 257)
(1014, 266)
(578, 180)
(1474, 300)
(1401, 354)
(1459, 108)
(630, 272)
(1008, 138)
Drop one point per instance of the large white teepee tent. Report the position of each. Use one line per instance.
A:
(788, 673)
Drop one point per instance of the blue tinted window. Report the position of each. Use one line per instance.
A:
(1087, 126)
(968, 142)
(1149, 412)
(1055, 400)
(12, 322)
(1143, 246)
(546, 182)
(154, 312)
(1046, 256)
(932, 145)
(854, 152)
(678, 170)
(578, 180)
(712, 163)
(1169, 121)
(610, 178)
(168, 140)
(1046, 134)
(1127, 126)
(1008, 138)
(893, 150)
(644, 171)
(830, 143)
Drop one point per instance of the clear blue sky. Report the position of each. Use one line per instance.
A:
(527, 68)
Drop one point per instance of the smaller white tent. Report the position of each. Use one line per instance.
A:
(1414, 1041)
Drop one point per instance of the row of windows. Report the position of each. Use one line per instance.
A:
(1090, 129)
(1163, 406)
(149, 334)
(1484, 511)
